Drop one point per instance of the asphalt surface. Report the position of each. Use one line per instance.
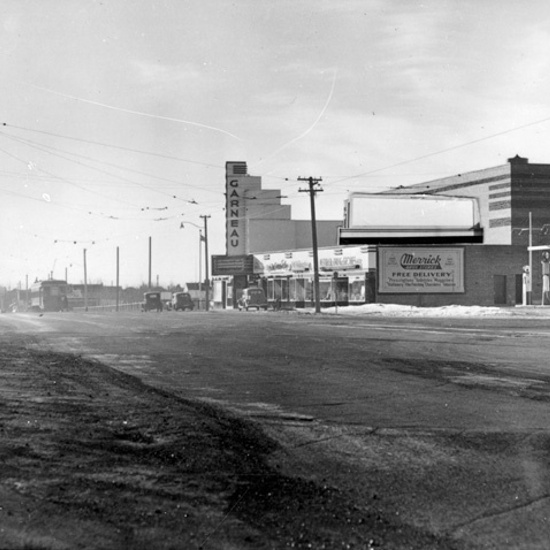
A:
(445, 419)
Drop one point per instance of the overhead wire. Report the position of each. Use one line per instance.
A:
(43, 199)
(55, 152)
(59, 178)
(112, 146)
(441, 151)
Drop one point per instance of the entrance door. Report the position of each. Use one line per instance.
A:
(499, 282)
(519, 288)
(370, 288)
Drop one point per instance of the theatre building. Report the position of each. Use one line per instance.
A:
(468, 239)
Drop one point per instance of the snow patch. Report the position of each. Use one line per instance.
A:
(388, 310)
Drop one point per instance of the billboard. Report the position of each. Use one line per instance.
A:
(428, 270)
(411, 212)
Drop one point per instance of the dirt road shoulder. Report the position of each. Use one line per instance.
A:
(93, 458)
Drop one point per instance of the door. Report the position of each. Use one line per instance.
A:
(499, 282)
(519, 289)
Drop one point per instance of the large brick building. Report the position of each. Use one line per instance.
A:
(514, 209)
(493, 216)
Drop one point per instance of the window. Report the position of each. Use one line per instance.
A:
(277, 289)
(292, 290)
(326, 290)
(357, 290)
(308, 285)
(284, 290)
(270, 289)
(342, 293)
(300, 290)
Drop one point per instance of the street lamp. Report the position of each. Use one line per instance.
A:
(202, 239)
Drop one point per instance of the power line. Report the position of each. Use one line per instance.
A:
(50, 150)
(112, 146)
(448, 149)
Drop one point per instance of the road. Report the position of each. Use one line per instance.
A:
(446, 418)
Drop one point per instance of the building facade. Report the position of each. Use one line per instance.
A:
(514, 214)
(470, 247)
(257, 221)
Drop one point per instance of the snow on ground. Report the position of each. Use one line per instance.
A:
(394, 310)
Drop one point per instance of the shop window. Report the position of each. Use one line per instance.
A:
(277, 289)
(300, 290)
(308, 285)
(326, 290)
(270, 289)
(342, 293)
(284, 290)
(292, 290)
(357, 291)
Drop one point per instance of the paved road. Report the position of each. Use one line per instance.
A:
(376, 372)
(452, 414)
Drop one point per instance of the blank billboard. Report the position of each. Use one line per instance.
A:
(411, 211)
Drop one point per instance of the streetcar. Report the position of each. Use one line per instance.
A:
(50, 295)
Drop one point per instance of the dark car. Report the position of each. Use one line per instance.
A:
(253, 297)
(182, 301)
(152, 301)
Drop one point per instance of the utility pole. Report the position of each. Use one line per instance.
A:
(312, 190)
(201, 238)
(150, 259)
(85, 283)
(207, 281)
(530, 281)
(117, 278)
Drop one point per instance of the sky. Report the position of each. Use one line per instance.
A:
(118, 116)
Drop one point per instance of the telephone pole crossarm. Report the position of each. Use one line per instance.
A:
(313, 189)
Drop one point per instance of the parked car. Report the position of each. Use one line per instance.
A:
(253, 297)
(151, 301)
(182, 301)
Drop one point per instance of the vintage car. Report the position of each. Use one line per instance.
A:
(182, 301)
(252, 297)
(151, 301)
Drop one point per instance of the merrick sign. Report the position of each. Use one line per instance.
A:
(420, 270)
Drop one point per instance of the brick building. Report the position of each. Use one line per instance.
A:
(514, 212)
(470, 246)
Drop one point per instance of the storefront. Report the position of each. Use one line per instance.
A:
(346, 276)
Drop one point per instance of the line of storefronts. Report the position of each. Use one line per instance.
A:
(346, 275)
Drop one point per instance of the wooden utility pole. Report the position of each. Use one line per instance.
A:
(85, 283)
(117, 278)
(312, 190)
(201, 238)
(207, 281)
(150, 259)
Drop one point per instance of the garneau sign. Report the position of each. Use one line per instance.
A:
(235, 223)
(420, 270)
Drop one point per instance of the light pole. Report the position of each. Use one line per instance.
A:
(202, 238)
(207, 280)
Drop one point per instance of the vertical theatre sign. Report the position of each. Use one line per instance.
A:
(420, 270)
(235, 224)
